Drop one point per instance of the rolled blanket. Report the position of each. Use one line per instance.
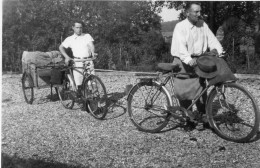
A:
(42, 58)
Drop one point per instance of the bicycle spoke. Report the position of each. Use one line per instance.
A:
(233, 114)
(142, 94)
(147, 107)
(148, 93)
(95, 94)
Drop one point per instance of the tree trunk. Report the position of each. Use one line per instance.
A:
(55, 43)
(61, 38)
(120, 54)
(233, 50)
(247, 57)
(212, 22)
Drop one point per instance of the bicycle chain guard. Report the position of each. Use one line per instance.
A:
(178, 112)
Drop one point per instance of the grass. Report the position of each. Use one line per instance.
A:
(46, 135)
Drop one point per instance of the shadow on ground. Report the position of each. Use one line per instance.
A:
(256, 137)
(115, 107)
(16, 162)
(52, 96)
(186, 126)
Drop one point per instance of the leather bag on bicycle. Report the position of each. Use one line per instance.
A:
(224, 73)
(185, 86)
(56, 76)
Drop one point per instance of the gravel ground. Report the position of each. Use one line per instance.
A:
(45, 134)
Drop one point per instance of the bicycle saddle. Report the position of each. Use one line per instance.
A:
(168, 67)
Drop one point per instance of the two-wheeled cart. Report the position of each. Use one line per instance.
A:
(37, 70)
(37, 77)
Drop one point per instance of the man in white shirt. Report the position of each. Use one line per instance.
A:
(192, 38)
(82, 47)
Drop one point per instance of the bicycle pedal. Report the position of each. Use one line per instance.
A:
(191, 116)
(73, 95)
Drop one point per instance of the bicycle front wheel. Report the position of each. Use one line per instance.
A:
(95, 93)
(66, 94)
(146, 105)
(233, 113)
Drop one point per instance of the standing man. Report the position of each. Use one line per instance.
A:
(192, 38)
(82, 48)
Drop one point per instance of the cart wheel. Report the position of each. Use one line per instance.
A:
(27, 85)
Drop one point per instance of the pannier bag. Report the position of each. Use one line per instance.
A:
(225, 74)
(56, 76)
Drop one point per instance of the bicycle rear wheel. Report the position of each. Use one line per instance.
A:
(233, 113)
(65, 93)
(27, 86)
(95, 93)
(146, 105)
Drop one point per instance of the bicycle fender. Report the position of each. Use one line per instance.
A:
(157, 83)
(166, 91)
(211, 92)
(128, 95)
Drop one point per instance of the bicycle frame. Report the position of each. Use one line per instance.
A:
(71, 78)
(170, 77)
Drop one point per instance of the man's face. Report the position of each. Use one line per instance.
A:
(77, 28)
(193, 13)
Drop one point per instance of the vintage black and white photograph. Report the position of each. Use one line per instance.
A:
(130, 84)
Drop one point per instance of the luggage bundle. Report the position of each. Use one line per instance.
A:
(40, 64)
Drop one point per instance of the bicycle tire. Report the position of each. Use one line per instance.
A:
(227, 111)
(95, 93)
(27, 86)
(140, 116)
(65, 93)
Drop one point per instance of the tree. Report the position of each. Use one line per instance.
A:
(235, 16)
(117, 27)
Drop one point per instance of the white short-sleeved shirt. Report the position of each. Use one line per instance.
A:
(189, 39)
(78, 44)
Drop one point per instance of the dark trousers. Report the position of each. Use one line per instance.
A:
(201, 103)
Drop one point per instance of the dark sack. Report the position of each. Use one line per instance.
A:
(56, 76)
(225, 74)
(185, 87)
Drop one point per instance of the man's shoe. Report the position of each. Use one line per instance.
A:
(84, 105)
(204, 119)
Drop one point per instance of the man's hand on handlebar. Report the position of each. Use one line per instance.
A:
(94, 55)
(213, 52)
(193, 62)
(68, 60)
(224, 55)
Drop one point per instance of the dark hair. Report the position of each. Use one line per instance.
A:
(188, 4)
(78, 21)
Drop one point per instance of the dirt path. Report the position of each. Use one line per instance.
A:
(47, 135)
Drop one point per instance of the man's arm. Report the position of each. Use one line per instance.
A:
(91, 48)
(179, 45)
(63, 52)
(213, 42)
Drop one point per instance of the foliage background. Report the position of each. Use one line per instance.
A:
(124, 31)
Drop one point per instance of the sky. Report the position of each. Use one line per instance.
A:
(169, 14)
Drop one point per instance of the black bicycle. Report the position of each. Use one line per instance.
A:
(92, 95)
(231, 110)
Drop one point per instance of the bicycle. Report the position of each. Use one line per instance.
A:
(92, 93)
(231, 110)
